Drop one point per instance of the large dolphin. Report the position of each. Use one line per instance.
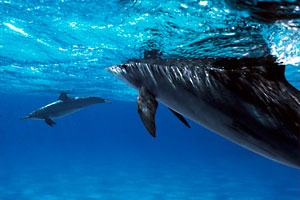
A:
(63, 106)
(269, 11)
(246, 100)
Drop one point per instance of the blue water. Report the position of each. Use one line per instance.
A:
(104, 151)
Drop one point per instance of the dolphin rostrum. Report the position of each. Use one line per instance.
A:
(63, 106)
(246, 100)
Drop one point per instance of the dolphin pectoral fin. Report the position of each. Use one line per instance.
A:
(146, 107)
(49, 122)
(180, 117)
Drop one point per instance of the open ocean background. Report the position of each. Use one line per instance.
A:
(104, 152)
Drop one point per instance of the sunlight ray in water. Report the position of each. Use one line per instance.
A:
(96, 36)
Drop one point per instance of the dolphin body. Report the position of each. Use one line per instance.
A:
(246, 100)
(268, 11)
(63, 106)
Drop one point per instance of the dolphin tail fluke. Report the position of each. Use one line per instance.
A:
(146, 106)
(27, 117)
(49, 122)
(180, 117)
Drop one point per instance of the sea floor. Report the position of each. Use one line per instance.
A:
(112, 181)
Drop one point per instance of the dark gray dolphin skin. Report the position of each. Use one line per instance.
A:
(63, 106)
(246, 100)
(268, 11)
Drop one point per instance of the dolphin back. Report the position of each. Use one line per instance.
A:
(263, 85)
(91, 100)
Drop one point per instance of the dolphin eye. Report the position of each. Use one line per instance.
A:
(123, 66)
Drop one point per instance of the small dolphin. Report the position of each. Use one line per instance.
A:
(63, 106)
(246, 100)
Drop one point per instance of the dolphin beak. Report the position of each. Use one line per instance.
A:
(118, 72)
(106, 101)
(27, 117)
(114, 69)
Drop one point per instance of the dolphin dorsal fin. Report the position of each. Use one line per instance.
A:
(63, 96)
(146, 106)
